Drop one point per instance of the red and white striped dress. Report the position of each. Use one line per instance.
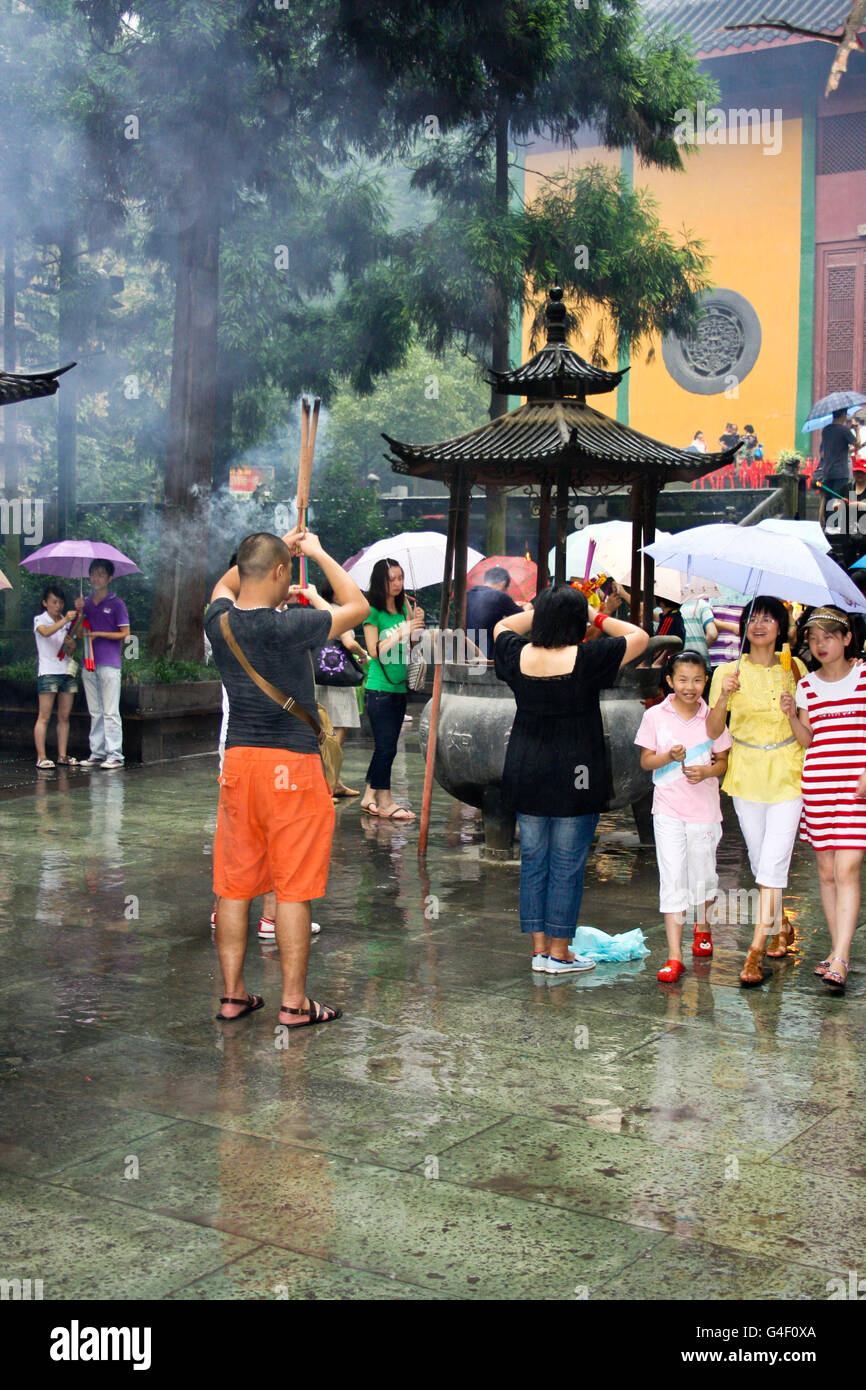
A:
(833, 816)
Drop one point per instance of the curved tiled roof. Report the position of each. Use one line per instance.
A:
(557, 370)
(704, 21)
(535, 440)
(15, 387)
(556, 366)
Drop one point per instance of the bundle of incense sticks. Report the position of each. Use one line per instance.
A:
(309, 426)
(89, 663)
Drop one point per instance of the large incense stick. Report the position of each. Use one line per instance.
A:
(305, 468)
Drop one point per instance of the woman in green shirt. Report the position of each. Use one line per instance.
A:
(388, 633)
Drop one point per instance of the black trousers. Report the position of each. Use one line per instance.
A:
(386, 713)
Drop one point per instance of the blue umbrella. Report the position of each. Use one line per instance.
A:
(759, 562)
(822, 411)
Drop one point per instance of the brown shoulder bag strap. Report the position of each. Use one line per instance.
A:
(285, 702)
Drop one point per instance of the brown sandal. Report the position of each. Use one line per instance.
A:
(314, 1013)
(752, 972)
(781, 943)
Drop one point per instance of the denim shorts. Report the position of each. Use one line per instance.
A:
(56, 685)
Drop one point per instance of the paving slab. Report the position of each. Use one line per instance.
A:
(375, 1218)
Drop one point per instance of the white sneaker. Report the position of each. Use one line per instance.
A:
(539, 961)
(568, 967)
(268, 931)
(111, 762)
(93, 761)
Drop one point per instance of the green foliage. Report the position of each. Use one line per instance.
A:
(305, 129)
(426, 400)
(161, 672)
(20, 669)
(642, 278)
(346, 514)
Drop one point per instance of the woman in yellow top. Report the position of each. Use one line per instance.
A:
(765, 768)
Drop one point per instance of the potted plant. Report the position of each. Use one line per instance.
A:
(789, 461)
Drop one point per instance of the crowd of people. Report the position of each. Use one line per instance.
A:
(747, 444)
(783, 736)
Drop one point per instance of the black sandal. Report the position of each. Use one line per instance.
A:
(316, 1013)
(252, 1001)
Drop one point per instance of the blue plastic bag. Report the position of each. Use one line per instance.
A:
(598, 945)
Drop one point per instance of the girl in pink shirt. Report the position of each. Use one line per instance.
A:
(686, 767)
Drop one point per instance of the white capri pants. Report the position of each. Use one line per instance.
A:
(769, 830)
(686, 855)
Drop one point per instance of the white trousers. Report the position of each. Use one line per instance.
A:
(102, 692)
(686, 855)
(769, 830)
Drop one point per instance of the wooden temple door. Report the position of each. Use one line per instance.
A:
(840, 363)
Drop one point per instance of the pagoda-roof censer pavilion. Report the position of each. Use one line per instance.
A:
(553, 445)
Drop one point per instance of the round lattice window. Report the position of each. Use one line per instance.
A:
(723, 348)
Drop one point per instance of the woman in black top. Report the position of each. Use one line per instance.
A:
(555, 775)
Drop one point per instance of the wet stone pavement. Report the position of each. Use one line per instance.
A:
(467, 1130)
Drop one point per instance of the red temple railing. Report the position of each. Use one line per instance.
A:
(752, 475)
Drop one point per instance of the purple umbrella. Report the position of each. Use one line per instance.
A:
(73, 559)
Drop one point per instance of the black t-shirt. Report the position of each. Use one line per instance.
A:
(672, 625)
(278, 646)
(729, 441)
(835, 439)
(485, 607)
(555, 764)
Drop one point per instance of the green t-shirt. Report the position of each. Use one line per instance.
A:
(396, 658)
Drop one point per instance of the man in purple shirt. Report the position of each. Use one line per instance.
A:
(109, 624)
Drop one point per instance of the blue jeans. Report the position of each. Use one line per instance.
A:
(553, 855)
(386, 714)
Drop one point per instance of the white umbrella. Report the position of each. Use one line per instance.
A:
(808, 531)
(420, 555)
(759, 563)
(612, 556)
(612, 541)
(679, 588)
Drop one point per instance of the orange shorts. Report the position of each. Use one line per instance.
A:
(274, 826)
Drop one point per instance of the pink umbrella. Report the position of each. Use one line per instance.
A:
(4, 582)
(73, 559)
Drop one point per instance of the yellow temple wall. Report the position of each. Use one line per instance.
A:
(728, 197)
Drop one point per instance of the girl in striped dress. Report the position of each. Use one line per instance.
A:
(828, 719)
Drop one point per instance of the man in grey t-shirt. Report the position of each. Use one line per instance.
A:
(276, 817)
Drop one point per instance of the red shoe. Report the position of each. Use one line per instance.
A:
(671, 972)
(702, 944)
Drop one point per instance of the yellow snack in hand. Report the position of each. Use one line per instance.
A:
(785, 657)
